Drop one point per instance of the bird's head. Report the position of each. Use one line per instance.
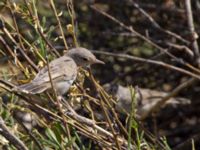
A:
(83, 57)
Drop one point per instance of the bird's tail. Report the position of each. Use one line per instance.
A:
(32, 88)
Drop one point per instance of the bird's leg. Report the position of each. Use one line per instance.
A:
(59, 97)
(58, 102)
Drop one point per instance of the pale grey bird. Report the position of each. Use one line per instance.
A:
(145, 98)
(63, 72)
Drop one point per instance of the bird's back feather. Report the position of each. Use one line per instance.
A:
(62, 69)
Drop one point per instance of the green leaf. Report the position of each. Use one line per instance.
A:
(52, 137)
(58, 130)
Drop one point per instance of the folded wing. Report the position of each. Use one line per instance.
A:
(61, 69)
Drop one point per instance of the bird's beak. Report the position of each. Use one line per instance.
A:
(97, 61)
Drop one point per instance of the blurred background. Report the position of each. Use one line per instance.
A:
(163, 22)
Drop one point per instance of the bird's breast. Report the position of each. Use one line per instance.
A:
(63, 86)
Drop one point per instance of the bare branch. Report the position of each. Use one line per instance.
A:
(4, 131)
(156, 25)
(130, 29)
(192, 31)
(160, 63)
(147, 110)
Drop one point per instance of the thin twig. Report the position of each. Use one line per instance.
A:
(31, 135)
(156, 25)
(59, 104)
(82, 120)
(6, 32)
(160, 63)
(13, 55)
(38, 28)
(110, 124)
(145, 111)
(130, 29)
(106, 99)
(59, 23)
(90, 123)
(31, 46)
(4, 131)
(192, 31)
(181, 48)
(71, 11)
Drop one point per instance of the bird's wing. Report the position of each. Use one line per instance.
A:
(63, 68)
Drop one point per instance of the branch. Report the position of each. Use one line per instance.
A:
(160, 63)
(156, 25)
(130, 29)
(4, 131)
(192, 31)
(91, 123)
(145, 111)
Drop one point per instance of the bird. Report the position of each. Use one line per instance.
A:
(63, 71)
(145, 98)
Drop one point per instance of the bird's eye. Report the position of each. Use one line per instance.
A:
(85, 59)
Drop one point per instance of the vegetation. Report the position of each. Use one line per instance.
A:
(147, 47)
